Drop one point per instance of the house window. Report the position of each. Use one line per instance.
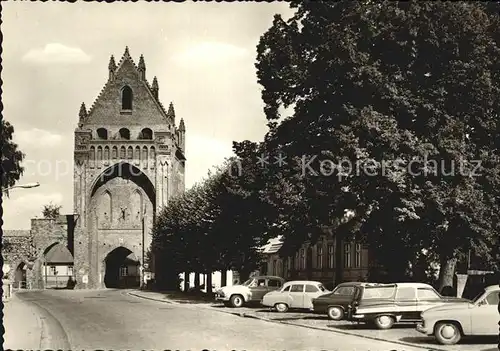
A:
(357, 256)
(347, 255)
(53, 270)
(123, 271)
(330, 256)
(70, 270)
(319, 257)
(126, 98)
(302, 259)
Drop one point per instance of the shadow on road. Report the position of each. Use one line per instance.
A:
(362, 326)
(476, 340)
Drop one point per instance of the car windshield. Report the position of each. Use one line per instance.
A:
(478, 296)
(321, 287)
(248, 282)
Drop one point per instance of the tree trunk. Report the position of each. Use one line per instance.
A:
(197, 281)
(208, 284)
(447, 273)
(223, 277)
(186, 281)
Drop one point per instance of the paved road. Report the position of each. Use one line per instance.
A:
(111, 319)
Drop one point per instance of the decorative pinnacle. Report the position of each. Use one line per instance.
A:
(182, 127)
(126, 53)
(141, 66)
(112, 64)
(154, 85)
(171, 111)
(83, 111)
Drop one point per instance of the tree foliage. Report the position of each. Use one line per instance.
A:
(12, 157)
(387, 88)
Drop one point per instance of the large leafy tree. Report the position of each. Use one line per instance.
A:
(393, 95)
(12, 157)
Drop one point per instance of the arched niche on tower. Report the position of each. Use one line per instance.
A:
(106, 155)
(127, 98)
(104, 209)
(138, 209)
(146, 134)
(92, 157)
(99, 156)
(102, 134)
(137, 155)
(144, 158)
(152, 157)
(124, 133)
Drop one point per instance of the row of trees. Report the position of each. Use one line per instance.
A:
(371, 84)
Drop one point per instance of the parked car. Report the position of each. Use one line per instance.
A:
(386, 304)
(338, 303)
(253, 290)
(294, 294)
(449, 323)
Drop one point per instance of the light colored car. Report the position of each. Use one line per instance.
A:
(294, 294)
(253, 290)
(386, 304)
(449, 323)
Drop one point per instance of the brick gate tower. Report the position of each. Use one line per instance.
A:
(129, 160)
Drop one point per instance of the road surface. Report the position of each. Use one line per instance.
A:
(112, 319)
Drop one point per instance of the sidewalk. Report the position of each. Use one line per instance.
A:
(23, 328)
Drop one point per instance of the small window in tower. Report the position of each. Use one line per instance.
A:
(146, 133)
(124, 134)
(102, 134)
(126, 98)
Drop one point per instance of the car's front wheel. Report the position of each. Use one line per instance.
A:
(336, 313)
(447, 333)
(281, 307)
(236, 301)
(384, 322)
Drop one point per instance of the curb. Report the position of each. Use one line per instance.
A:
(331, 330)
(152, 298)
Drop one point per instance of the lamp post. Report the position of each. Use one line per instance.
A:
(23, 186)
(143, 229)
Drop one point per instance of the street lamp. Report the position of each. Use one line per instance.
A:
(23, 186)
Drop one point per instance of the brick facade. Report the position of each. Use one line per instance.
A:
(129, 160)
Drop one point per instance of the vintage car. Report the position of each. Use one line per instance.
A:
(338, 303)
(297, 294)
(253, 290)
(386, 304)
(449, 323)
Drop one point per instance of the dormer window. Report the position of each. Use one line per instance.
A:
(126, 98)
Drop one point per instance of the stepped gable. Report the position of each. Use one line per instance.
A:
(146, 109)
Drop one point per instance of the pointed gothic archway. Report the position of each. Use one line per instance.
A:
(121, 269)
(20, 276)
(128, 172)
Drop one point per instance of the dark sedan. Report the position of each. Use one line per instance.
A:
(337, 303)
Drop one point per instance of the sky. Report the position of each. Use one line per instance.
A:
(55, 56)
